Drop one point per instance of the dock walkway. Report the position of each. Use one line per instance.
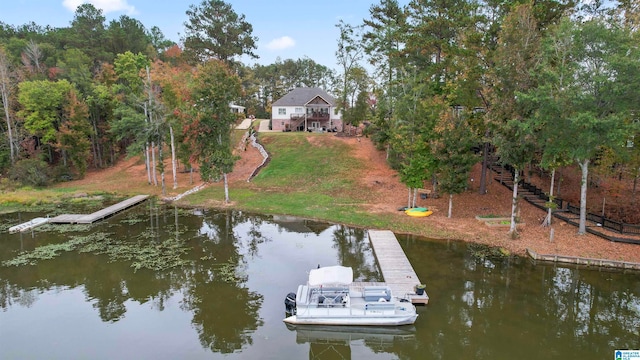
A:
(396, 269)
(98, 215)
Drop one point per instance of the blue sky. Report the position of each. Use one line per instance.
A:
(289, 29)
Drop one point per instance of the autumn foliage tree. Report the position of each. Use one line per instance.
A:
(209, 133)
(74, 133)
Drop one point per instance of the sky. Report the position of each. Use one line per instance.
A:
(288, 29)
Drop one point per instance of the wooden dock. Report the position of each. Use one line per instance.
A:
(396, 269)
(100, 214)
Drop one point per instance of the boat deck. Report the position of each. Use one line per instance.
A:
(100, 214)
(396, 269)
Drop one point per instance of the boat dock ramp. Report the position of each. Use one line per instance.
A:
(81, 218)
(396, 269)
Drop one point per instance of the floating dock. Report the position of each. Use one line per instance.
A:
(396, 269)
(29, 225)
(100, 214)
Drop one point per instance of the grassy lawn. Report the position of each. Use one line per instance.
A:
(311, 176)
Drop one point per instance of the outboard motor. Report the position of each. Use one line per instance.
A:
(290, 303)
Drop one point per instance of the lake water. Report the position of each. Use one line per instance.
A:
(158, 282)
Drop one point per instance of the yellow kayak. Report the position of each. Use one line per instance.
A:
(418, 212)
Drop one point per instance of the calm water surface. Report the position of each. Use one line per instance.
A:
(164, 283)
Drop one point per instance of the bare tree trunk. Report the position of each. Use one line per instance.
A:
(5, 104)
(547, 220)
(409, 198)
(226, 188)
(582, 227)
(415, 197)
(94, 147)
(4, 91)
(434, 182)
(150, 118)
(173, 158)
(559, 182)
(153, 164)
(514, 203)
(450, 206)
(485, 165)
(161, 159)
(146, 163)
(98, 152)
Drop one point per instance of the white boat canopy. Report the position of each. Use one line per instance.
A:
(331, 275)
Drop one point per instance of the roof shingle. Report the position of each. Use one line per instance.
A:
(301, 96)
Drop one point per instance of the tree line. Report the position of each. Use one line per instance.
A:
(545, 83)
(549, 83)
(82, 96)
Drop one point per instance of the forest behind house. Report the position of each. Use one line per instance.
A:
(539, 86)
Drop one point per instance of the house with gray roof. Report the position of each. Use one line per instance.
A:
(306, 109)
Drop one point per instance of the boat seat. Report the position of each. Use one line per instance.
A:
(375, 293)
(331, 301)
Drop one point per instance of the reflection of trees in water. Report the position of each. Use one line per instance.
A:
(11, 293)
(225, 313)
(507, 306)
(254, 235)
(354, 251)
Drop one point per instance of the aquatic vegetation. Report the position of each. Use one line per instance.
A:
(64, 228)
(480, 251)
(46, 252)
(142, 254)
(227, 272)
(132, 220)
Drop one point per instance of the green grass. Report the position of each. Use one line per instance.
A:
(312, 176)
(297, 164)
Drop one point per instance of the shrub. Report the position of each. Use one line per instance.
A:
(61, 173)
(31, 172)
(7, 185)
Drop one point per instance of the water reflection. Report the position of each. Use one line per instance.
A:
(335, 342)
(174, 283)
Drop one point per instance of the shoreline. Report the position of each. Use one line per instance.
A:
(586, 262)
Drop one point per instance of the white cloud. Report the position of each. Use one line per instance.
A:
(106, 6)
(281, 43)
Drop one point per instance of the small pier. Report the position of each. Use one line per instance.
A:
(100, 214)
(396, 269)
(29, 225)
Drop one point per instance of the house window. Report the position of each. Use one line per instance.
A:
(282, 111)
(299, 110)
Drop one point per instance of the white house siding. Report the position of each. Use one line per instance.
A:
(279, 122)
(299, 101)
